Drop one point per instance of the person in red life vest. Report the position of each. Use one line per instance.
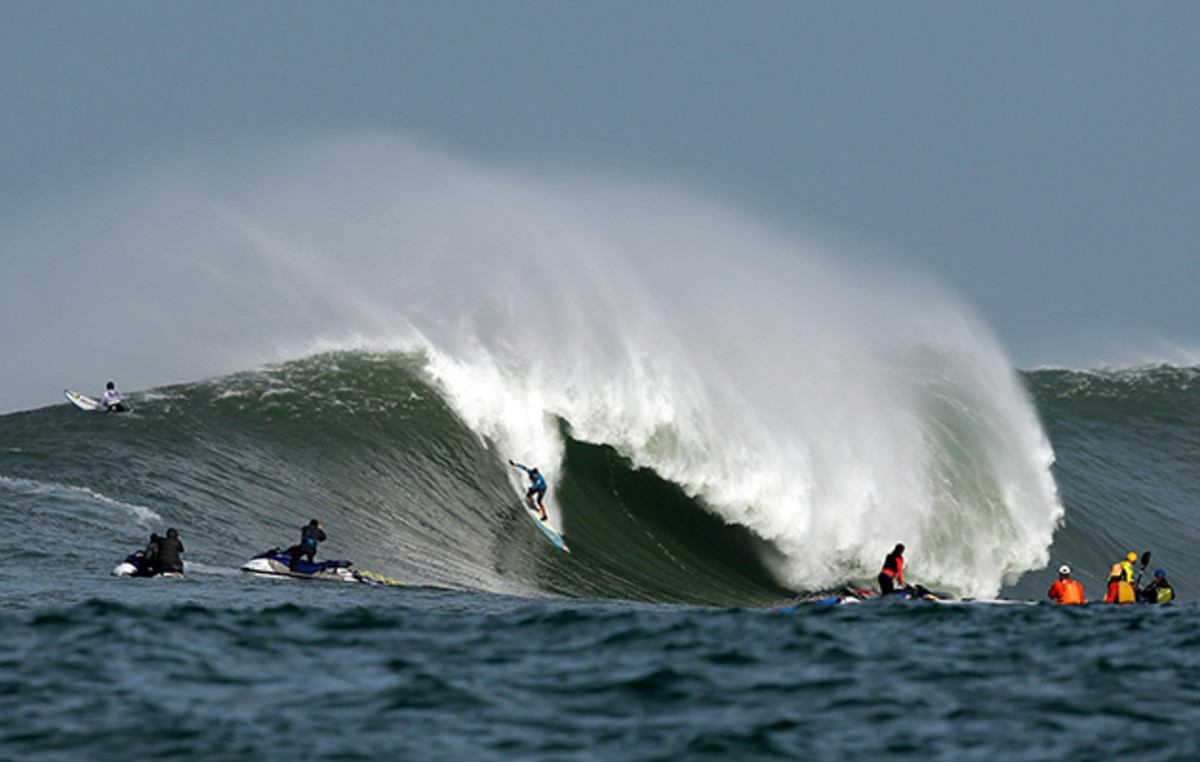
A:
(1120, 589)
(892, 574)
(1065, 589)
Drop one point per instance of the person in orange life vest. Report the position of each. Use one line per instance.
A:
(892, 573)
(1065, 589)
(1120, 589)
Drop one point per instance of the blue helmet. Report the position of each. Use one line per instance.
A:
(1160, 573)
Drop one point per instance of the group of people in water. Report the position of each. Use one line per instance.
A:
(1123, 585)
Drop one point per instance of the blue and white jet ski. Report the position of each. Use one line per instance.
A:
(276, 562)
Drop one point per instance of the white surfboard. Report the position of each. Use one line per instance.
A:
(80, 401)
(546, 526)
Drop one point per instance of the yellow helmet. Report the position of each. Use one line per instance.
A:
(1131, 557)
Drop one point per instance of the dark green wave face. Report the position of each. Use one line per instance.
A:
(367, 445)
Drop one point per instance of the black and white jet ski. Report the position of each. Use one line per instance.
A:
(277, 563)
(134, 565)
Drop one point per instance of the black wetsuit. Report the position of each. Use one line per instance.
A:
(149, 565)
(1150, 593)
(168, 552)
(310, 535)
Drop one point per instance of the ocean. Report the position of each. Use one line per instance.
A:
(662, 635)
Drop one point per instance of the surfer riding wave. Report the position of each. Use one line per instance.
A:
(537, 487)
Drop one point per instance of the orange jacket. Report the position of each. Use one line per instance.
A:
(1066, 591)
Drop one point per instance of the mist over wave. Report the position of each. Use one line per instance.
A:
(830, 404)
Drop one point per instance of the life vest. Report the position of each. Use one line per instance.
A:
(893, 566)
(1120, 591)
(1071, 592)
(1163, 594)
(1128, 569)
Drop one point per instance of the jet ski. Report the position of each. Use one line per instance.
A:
(276, 562)
(851, 594)
(135, 565)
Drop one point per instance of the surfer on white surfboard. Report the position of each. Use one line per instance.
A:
(111, 399)
(537, 487)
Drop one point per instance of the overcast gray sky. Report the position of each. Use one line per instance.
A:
(1043, 159)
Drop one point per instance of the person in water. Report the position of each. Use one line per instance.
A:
(1127, 565)
(310, 535)
(169, 549)
(537, 487)
(1066, 590)
(111, 399)
(1159, 590)
(1120, 588)
(892, 573)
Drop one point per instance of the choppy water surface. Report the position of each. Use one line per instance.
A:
(219, 667)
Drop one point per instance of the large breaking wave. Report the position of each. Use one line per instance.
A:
(819, 404)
